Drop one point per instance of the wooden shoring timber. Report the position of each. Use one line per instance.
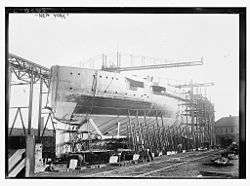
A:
(212, 123)
(181, 136)
(202, 135)
(140, 131)
(163, 136)
(178, 135)
(186, 143)
(170, 138)
(151, 140)
(207, 131)
(192, 141)
(161, 124)
(149, 133)
(129, 137)
(146, 134)
(201, 116)
(198, 137)
(152, 132)
(135, 135)
(142, 134)
(158, 132)
(208, 125)
(175, 137)
(154, 140)
(131, 131)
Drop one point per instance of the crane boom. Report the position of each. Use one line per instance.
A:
(157, 66)
(195, 85)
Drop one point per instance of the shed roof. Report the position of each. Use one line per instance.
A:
(228, 121)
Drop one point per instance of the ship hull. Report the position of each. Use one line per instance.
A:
(95, 92)
(116, 106)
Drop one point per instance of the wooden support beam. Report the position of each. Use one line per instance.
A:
(171, 141)
(163, 133)
(158, 131)
(147, 130)
(140, 129)
(131, 130)
(129, 137)
(135, 136)
(154, 139)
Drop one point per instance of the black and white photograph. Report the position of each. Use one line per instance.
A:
(125, 92)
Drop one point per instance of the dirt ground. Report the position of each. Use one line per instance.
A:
(187, 165)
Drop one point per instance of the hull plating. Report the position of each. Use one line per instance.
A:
(81, 91)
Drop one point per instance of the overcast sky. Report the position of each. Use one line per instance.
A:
(55, 41)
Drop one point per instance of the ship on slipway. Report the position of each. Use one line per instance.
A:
(109, 98)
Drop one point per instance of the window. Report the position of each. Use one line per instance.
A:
(158, 89)
(133, 84)
(232, 130)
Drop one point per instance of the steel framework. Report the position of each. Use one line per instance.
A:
(28, 73)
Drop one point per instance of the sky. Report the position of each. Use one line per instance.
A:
(56, 41)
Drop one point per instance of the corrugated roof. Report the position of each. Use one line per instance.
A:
(228, 121)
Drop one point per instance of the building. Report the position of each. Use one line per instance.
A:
(227, 130)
